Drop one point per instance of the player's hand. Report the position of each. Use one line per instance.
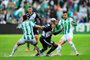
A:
(42, 27)
(62, 29)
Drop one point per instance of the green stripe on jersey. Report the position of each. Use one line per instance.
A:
(27, 27)
(66, 24)
(65, 27)
(31, 31)
(24, 31)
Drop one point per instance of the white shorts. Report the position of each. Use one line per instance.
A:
(65, 37)
(22, 41)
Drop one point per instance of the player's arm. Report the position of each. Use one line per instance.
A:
(55, 33)
(57, 30)
(38, 26)
(74, 23)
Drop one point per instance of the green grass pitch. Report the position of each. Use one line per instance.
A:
(81, 41)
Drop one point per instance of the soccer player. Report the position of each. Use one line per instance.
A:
(28, 35)
(34, 17)
(67, 24)
(45, 38)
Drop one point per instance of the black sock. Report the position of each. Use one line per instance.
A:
(52, 49)
(28, 45)
(41, 51)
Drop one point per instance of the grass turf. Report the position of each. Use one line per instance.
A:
(81, 41)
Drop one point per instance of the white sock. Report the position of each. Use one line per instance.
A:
(59, 48)
(14, 49)
(73, 46)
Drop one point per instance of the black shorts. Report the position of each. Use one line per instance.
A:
(46, 42)
(35, 31)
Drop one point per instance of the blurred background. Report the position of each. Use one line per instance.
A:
(11, 12)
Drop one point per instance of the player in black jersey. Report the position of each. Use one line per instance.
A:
(45, 38)
(37, 20)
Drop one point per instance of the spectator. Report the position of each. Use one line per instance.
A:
(2, 18)
(19, 12)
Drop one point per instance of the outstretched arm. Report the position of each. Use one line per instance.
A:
(38, 26)
(74, 23)
(58, 31)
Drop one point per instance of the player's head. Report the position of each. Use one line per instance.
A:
(24, 17)
(65, 15)
(53, 21)
(30, 9)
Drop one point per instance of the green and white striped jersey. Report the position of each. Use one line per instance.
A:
(27, 27)
(66, 24)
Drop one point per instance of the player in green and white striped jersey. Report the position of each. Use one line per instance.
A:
(67, 24)
(28, 35)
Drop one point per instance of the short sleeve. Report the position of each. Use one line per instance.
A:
(59, 22)
(71, 19)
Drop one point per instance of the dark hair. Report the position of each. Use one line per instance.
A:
(30, 7)
(24, 17)
(64, 12)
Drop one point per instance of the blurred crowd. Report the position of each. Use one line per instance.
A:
(11, 11)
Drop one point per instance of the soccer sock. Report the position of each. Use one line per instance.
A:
(59, 48)
(36, 47)
(73, 46)
(52, 49)
(27, 45)
(41, 51)
(14, 49)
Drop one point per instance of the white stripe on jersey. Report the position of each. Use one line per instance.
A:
(32, 17)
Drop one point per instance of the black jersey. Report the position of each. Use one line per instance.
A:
(48, 31)
(34, 17)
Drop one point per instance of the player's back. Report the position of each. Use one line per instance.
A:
(27, 27)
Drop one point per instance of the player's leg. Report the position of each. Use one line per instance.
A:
(20, 42)
(72, 45)
(53, 47)
(61, 42)
(28, 47)
(33, 42)
(36, 35)
(44, 46)
(35, 31)
(37, 48)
